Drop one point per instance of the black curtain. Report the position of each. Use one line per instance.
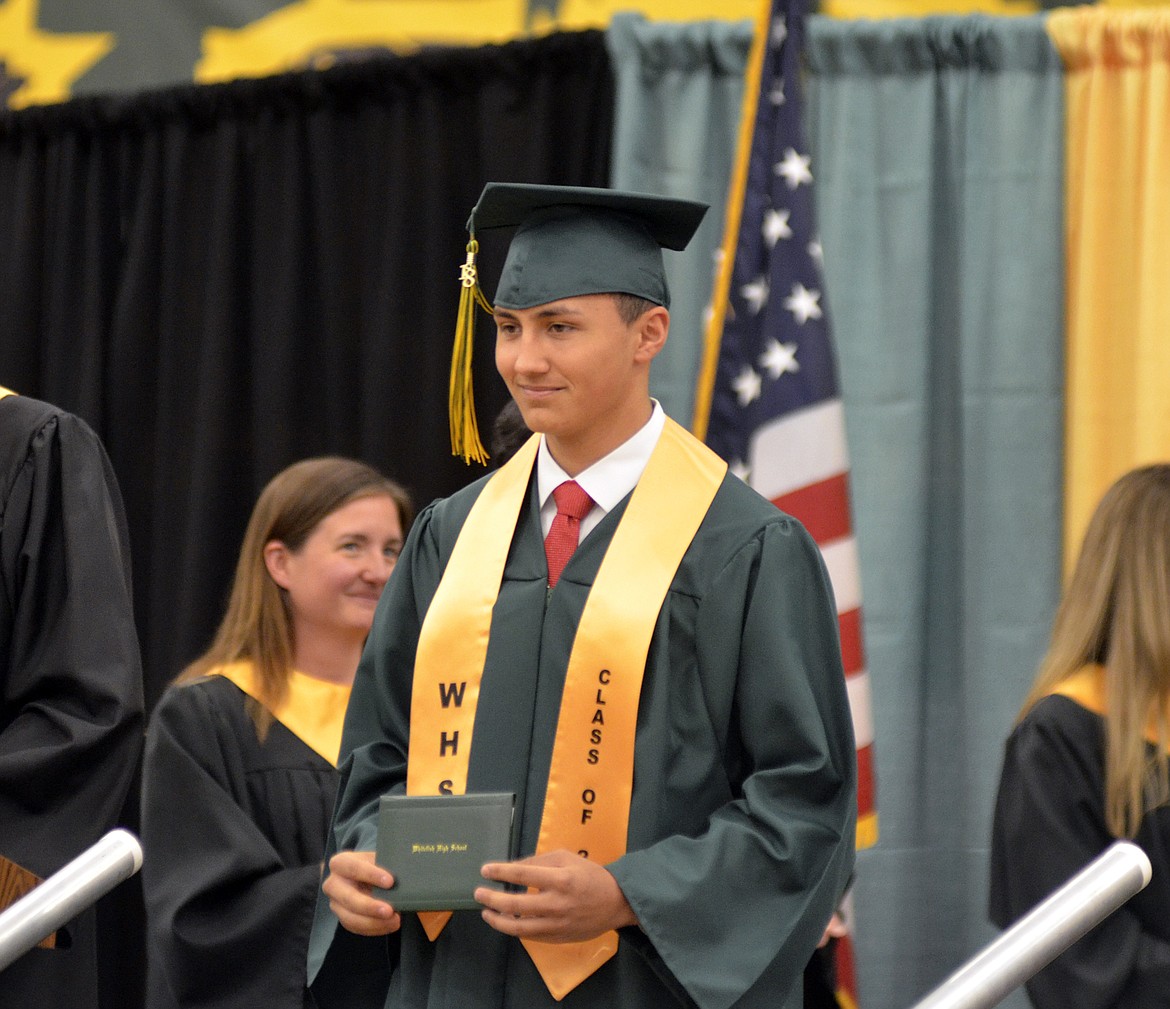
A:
(224, 279)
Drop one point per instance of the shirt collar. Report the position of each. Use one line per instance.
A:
(613, 476)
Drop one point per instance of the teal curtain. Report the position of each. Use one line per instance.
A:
(679, 87)
(938, 155)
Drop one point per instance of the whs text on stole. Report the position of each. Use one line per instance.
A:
(451, 696)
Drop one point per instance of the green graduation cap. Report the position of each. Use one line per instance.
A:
(570, 241)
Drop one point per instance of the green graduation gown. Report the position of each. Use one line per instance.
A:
(741, 824)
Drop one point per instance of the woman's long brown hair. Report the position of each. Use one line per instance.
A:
(1115, 612)
(257, 625)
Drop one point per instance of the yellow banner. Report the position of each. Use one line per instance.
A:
(313, 32)
(37, 66)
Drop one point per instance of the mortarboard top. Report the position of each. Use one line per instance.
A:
(671, 222)
(570, 241)
(574, 240)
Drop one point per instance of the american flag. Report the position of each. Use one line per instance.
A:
(775, 404)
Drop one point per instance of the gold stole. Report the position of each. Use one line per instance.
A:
(1087, 688)
(587, 802)
(5, 392)
(313, 710)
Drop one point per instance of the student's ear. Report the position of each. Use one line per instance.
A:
(653, 325)
(276, 558)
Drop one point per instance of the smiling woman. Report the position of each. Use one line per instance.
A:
(239, 774)
(332, 583)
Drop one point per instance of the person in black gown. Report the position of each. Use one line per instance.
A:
(239, 776)
(1087, 761)
(70, 679)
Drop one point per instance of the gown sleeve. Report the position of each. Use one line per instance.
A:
(347, 970)
(742, 905)
(375, 744)
(1048, 825)
(227, 918)
(70, 673)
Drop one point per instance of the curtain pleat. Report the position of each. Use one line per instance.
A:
(679, 87)
(937, 150)
(224, 279)
(1118, 91)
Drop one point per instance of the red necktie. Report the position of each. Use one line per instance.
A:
(573, 505)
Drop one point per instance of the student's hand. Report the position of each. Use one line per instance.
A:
(569, 899)
(836, 929)
(352, 874)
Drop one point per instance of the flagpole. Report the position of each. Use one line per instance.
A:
(768, 399)
(712, 333)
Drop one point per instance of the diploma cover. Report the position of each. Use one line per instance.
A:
(435, 846)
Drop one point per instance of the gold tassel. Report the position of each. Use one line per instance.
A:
(465, 440)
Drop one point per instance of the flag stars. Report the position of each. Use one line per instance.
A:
(779, 358)
(803, 303)
(755, 294)
(815, 250)
(779, 30)
(776, 93)
(776, 226)
(747, 386)
(795, 168)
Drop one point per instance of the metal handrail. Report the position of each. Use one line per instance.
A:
(68, 892)
(1046, 931)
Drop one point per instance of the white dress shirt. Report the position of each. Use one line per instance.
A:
(607, 481)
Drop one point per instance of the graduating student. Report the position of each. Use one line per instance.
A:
(668, 705)
(70, 678)
(239, 776)
(1087, 761)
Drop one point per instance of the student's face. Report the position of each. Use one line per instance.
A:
(578, 372)
(335, 578)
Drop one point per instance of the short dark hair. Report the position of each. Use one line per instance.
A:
(630, 307)
(509, 432)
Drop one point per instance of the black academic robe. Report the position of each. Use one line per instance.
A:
(70, 674)
(820, 979)
(741, 826)
(1049, 823)
(234, 832)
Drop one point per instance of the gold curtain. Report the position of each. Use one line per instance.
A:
(1117, 81)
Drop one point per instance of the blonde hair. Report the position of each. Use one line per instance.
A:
(257, 625)
(1115, 612)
